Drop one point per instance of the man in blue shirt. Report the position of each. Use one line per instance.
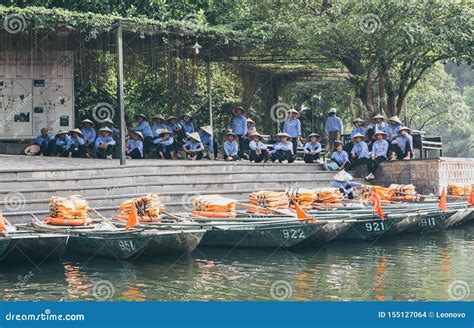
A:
(164, 143)
(231, 148)
(187, 124)
(76, 144)
(378, 153)
(283, 149)
(334, 129)
(403, 144)
(292, 127)
(342, 181)
(143, 126)
(42, 140)
(158, 124)
(394, 124)
(360, 151)
(258, 150)
(239, 128)
(89, 135)
(312, 148)
(208, 141)
(105, 144)
(193, 147)
(109, 123)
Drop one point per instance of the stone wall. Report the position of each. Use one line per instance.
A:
(428, 175)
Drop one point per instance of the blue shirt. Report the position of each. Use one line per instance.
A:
(281, 145)
(207, 141)
(73, 141)
(334, 123)
(163, 141)
(360, 130)
(344, 185)
(292, 127)
(392, 130)
(379, 127)
(192, 145)
(254, 145)
(312, 147)
(101, 140)
(380, 148)
(239, 125)
(403, 142)
(187, 127)
(135, 144)
(231, 148)
(42, 140)
(173, 127)
(89, 134)
(62, 142)
(155, 127)
(144, 128)
(360, 150)
(340, 157)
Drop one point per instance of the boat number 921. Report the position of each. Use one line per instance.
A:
(293, 234)
(126, 245)
(375, 226)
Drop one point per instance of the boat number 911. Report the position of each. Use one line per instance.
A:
(126, 245)
(374, 226)
(293, 234)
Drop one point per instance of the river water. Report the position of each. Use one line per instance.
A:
(436, 266)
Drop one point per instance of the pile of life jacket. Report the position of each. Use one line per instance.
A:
(302, 196)
(403, 192)
(272, 199)
(214, 206)
(149, 208)
(459, 189)
(328, 195)
(367, 191)
(68, 211)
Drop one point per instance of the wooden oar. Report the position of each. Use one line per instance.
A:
(171, 215)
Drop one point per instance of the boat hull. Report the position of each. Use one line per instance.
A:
(432, 222)
(173, 243)
(327, 233)
(369, 229)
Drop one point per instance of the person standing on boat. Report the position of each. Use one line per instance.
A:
(342, 181)
(334, 129)
(312, 148)
(105, 144)
(258, 150)
(283, 149)
(193, 147)
(239, 128)
(292, 127)
(340, 156)
(76, 144)
(164, 143)
(378, 154)
(143, 126)
(89, 135)
(208, 141)
(231, 148)
(360, 151)
(357, 128)
(402, 145)
(134, 147)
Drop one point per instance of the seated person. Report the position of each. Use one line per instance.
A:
(394, 124)
(283, 149)
(360, 151)
(231, 148)
(89, 135)
(134, 147)
(357, 128)
(179, 137)
(187, 124)
(377, 124)
(105, 144)
(342, 181)
(402, 145)
(109, 123)
(340, 156)
(144, 128)
(312, 148)
(258, 150)
(158, 124)
(193, 147)
(42, 140)
(57, 146)
(378, 154)
(208, 141)
(76, 145)
(164, 142)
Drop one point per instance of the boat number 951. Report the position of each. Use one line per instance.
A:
(126, 245)
(293, 234)
(375, 226)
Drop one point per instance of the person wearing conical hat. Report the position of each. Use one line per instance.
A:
(239, 128)
(283, 149)
(334, 129)
(164, 144)
(251, 127)
(109, 123)
(205, 132)
(402, 145)
(340, 156)
(378, 154)
(342, 181)
(134, 146)
(230, 146)
(158, 124)
(193, 147)
(358, 127)
(76, 145)
(57, 146)
(187, 124)
(360, 151)
(89, 135)
(173, 125)
(105, 144)
(377, 124)
(312, 148)
(258, 150)
(42, 141)
(142, 125)
(292, 127)
(394, 124)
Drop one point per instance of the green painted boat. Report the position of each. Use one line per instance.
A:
(369, 228)
(433, 221)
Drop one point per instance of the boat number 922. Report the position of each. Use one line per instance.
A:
(126, 245)
(293, 234)
(375, 226)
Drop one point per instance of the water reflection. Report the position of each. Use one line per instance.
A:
(408, 267)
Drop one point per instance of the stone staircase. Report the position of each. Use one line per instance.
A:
(27, 184)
